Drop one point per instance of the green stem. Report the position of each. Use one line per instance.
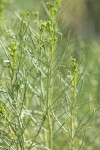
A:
(21, 137)
(72, 141)
(49, 111)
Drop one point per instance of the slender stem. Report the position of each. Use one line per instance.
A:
(21, 137)
(49, 109)
(72, 141)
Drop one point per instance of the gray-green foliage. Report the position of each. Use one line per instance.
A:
(40, 103)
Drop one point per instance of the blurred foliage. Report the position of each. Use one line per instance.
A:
(93, 8)
(81, 16)
(2, 8)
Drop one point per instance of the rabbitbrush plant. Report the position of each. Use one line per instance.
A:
(39, 105)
